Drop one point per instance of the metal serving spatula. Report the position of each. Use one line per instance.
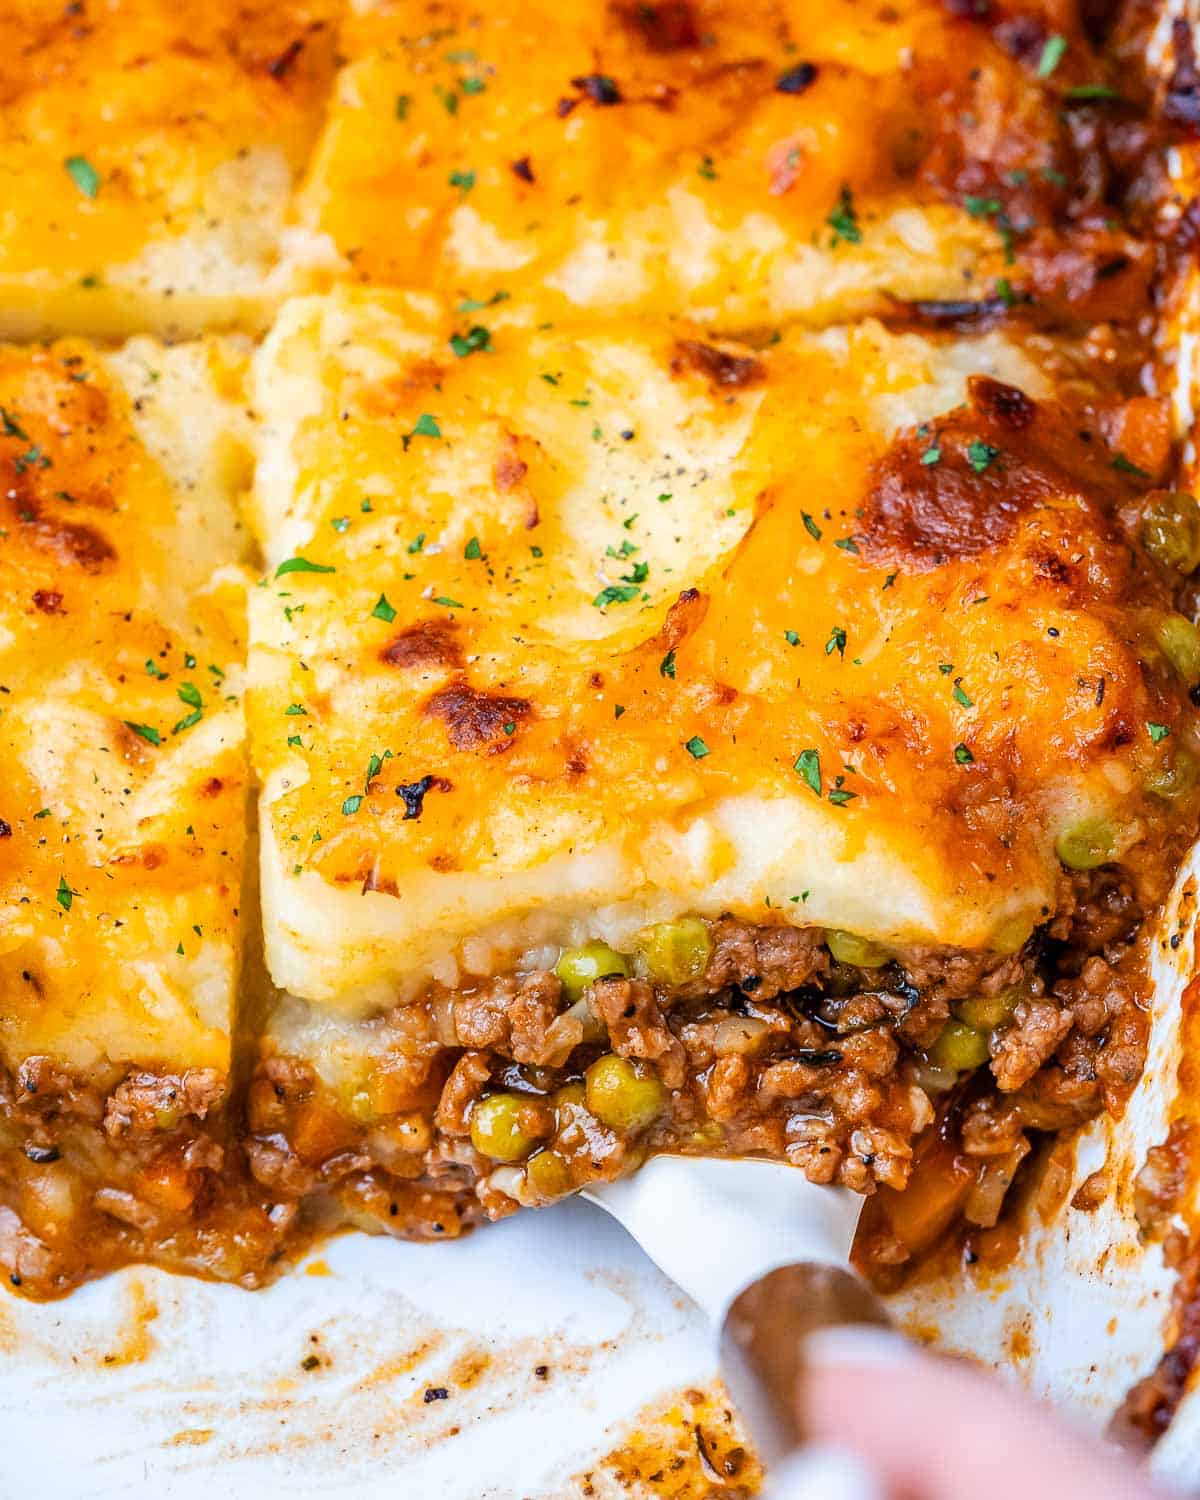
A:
(765, 1254)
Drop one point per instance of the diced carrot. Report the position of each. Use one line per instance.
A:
(933, 1199)
(167, 1184)
(1140, 431)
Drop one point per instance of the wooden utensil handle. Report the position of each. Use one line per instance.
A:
(762, 1343)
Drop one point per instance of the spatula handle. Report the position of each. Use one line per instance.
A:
(762, 1343)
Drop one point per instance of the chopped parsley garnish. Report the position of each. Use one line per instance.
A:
(64, 895)
(417, 543)
(426, 426)
(294, 739)
(932, 455)
(791, 637)
(295, 708)
(446, 603)
(463, 181)
(962, 755)
(340, 523)
(981, 208)
(840, 796)
(836, 642)
(352, 805)
(1097, 92)
(402, 103)
(616, 593)
(83, 175)
(477, 339)
(808, 765)
(1124, 466)
(472, 305)
(302, 565)
(706, 169)
(810, 526)
(666, 667)
(843, 219)
(154, 670)
(189, 694)
(145, 731)
(1157, 732)
(12, 428)
(847, 544)
(618, 710)
(473, 552)
(960, 696)
(980, 455)
(1053, 51)
(33, 458)
(696, 748)
(383, 610)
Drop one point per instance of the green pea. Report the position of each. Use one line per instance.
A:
(549, 1176)
(1179, 641)
(1171, 530)
(626, 1095)
(1176, 777)
(571, 1095)
(986, 1012)
(496, 1128)
(579, 967)
(849, 948)
(959, 1047)
(360, 1107)
(676, 952)
(1086, 845)
(1012, 934)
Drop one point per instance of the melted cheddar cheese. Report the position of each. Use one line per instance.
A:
(147, 154)
(572, 630)
(741, 162)
(122, 813)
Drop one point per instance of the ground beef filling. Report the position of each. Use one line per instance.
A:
(517, 1089)
(926, 1083)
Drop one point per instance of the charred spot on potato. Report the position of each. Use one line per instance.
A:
(477, 720)
(428, 643)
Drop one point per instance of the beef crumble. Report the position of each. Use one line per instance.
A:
(922, 1079)
(530, 1085)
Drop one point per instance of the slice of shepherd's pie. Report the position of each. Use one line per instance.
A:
(735, 160)
(147, 154)
(123, 805)
(673, 742)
